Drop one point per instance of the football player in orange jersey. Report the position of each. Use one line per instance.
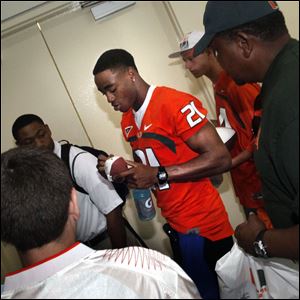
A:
(175, 149)
(234, 109)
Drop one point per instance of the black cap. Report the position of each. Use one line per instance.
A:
(223, 15)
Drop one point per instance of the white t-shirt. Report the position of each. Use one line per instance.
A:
(102, 198)
(80, 272)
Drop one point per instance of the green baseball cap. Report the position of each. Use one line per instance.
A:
(223, 15)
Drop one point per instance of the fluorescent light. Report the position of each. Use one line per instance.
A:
(109, 7)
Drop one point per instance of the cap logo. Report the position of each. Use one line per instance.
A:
(273, 4)
(184, 45)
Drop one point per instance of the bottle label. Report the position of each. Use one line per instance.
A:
(148, 203)
(145, 208)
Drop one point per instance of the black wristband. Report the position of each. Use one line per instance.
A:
(260, 235)
(162, 175)
(259, 245)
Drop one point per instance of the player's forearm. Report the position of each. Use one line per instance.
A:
(241, 158)
(202, 166)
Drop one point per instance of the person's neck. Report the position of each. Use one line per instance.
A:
(142, 88)
(36, 255)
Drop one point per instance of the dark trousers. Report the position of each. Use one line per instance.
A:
(198, 256)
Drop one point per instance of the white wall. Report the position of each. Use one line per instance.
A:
(190, 15)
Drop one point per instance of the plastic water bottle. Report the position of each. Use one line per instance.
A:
(144, 204)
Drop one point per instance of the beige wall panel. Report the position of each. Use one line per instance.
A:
(10, 260)
(30, 84)
(190, 15)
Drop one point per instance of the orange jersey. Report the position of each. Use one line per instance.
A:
(169, 118)
(235, 109)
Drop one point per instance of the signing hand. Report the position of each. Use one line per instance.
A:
(139, 175)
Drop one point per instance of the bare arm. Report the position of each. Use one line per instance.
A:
(279, 242)
(214, 157)
(116, 228)
(283, 242)
(240, 158)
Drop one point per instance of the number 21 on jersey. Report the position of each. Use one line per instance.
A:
(194, 116)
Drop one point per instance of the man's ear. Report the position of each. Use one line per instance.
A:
(131, 73)
(245, 43)
(48, 129)
(73, 206)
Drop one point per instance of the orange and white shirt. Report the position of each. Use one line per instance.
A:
(157, 133)
(235, 109)
(80, 272)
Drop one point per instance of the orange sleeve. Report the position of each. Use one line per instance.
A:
(191, 117)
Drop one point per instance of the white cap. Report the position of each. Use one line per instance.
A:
(188, 42)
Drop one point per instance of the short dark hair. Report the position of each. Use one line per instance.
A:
(114, 59)
(23, 121)
(267, 28)
(35, 197)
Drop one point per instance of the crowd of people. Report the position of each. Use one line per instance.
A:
(75, 244)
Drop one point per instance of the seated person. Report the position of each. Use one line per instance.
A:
(101, 224)
(39, 213)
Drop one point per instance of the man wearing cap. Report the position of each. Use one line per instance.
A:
(252, 43)
(235, 109)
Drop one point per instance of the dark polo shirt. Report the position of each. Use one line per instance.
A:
(277, 157)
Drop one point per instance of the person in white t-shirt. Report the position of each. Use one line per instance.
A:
(101, 222)
(39, 213)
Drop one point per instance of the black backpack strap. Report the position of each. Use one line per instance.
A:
(95, 152)
(77, 187)
(121, 188)
(65, 156)
(65, 152)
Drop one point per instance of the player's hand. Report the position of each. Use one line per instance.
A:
(139, 175)
(100, 165)
(247, 232)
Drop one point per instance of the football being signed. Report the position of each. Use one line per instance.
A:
(114, 166)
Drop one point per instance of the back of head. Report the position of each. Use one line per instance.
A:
(35, 196)
(114, 59)
(224, 16)
(23, 121)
